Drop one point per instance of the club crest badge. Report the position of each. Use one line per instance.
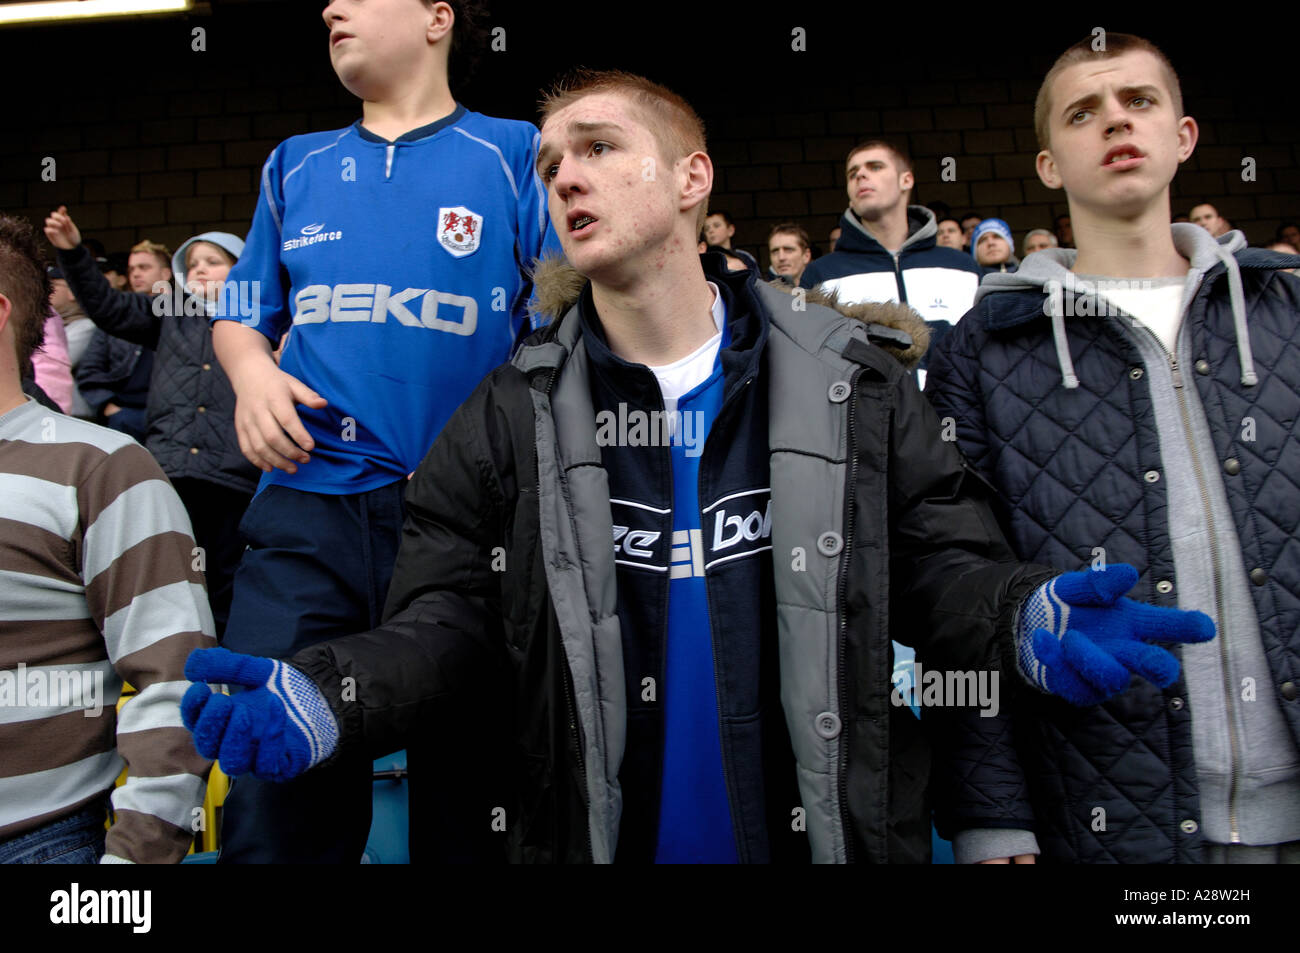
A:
(459, 230)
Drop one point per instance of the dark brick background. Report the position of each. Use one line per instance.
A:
(153, 139)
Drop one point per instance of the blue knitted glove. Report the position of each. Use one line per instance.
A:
(1080, 640)
(277, 730)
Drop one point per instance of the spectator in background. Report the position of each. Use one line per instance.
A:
(968, 223)
(1036, 239)
(789, 251)
(719, 229)
(994, 247)
(948, 234)
(99, 588)
(190, 405)
(834, 237)
(1208, 217)
(1064, 231)
(148, 266)
(1288, 232)
(113, 378)
(79, 330)
(888, 251)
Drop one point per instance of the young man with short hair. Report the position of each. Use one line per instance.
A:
(97, 587)
(396, 251)
(789, 249)
(148, 266)
(1138, 400)
(1208, 217)
(888, 251)
(948, 234)
(719, 229)
(667, 545)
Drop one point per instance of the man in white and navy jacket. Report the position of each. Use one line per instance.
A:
(887, 250)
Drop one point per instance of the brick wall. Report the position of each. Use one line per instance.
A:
(153, 139)
(789, 165)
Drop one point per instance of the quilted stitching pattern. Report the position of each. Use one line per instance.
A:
(179, 386)
(1070, 465)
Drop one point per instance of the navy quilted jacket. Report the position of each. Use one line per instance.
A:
(191, 408)
(1067, 464)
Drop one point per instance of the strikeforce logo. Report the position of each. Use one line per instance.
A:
(312, 235)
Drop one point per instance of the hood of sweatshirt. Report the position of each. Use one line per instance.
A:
(1049, 271)
(854, 237)
(558, 287)
(233, 245)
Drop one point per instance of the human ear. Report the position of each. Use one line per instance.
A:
(1046, 167)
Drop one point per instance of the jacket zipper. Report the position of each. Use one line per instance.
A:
(570, 706)
(1235, 755)
(842, 648)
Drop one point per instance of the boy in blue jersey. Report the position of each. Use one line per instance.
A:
(668, 544)
(394, 252)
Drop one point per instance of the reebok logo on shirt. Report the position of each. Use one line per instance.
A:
(731, 530)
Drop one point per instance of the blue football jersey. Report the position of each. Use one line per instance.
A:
(400, 271)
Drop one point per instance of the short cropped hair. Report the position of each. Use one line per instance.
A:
(25, 282)
(676, 126)
(1116, 44)
(726, 216)
(901, 158)
(790, 228)
(158, 250)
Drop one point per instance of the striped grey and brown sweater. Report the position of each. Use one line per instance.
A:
(100, 582)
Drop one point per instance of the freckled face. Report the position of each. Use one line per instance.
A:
(612, 196)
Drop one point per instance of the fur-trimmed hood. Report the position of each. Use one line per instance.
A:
(558, 286)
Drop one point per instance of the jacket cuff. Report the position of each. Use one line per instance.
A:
(973, 846)
(73, 256)
(1008, 624)
(317, 663)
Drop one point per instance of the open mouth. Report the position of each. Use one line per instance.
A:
(581, 223)
(339, 38)
(1122, 156)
